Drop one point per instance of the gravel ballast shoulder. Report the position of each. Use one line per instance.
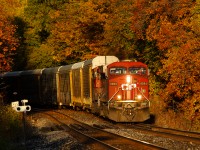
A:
(47, 134)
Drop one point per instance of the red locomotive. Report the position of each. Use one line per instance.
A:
(126, 85)
(104, 85)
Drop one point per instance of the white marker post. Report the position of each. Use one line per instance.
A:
(14, 104)
(24, 108)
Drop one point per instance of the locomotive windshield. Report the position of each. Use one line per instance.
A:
(137, 70)
(131, 70)
(118, 70)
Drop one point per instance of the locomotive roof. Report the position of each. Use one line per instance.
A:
(128, 64)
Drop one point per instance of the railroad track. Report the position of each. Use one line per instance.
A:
(95, 137)
(179, 135)
(172, 131)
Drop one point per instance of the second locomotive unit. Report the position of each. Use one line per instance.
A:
(104, 85)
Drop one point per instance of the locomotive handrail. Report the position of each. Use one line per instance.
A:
(143, 94)
(113, 96)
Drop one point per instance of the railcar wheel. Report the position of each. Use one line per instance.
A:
(77, 108)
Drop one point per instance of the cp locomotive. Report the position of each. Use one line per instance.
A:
(104, 85)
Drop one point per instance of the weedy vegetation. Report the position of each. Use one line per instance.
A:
(11, 128)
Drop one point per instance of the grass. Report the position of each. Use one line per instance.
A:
(11, 128)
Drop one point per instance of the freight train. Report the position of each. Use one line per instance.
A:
(117, 90)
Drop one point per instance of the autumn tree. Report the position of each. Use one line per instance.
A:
(174, 27)
(107, 27)
(119, 39)
(8, 41)
(94, 27)
(77, 30)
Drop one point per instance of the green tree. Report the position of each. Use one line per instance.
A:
(37, 31)
(20, 58)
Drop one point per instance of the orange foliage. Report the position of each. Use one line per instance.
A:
(8, 42)
(80, 30)
(174, 27)
(93, 27)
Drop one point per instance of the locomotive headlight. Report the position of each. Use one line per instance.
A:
(119, 97)
(139, 97)
(128, 79)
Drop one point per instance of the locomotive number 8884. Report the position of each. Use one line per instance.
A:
(104, 85)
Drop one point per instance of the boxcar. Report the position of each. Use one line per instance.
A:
(63, 85)
(49, 87)
(85, 77)
(30, 85)
(13, 86)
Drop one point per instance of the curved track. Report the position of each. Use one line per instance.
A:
(95, 137)
(180, 135)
